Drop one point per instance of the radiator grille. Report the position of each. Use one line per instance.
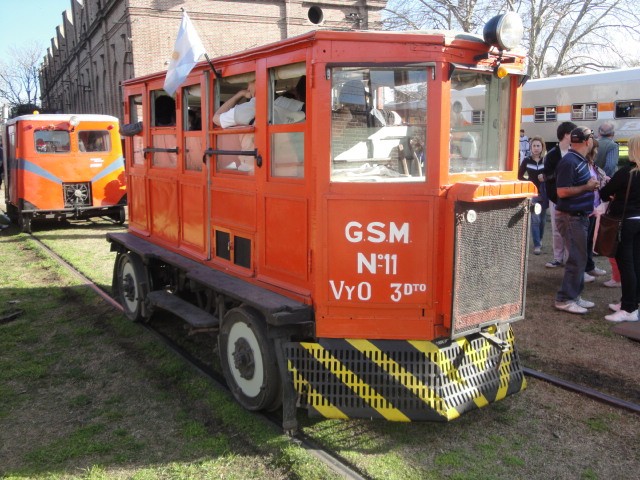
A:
(77, 194)
(490, 264)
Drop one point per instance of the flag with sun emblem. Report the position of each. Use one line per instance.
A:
(186, 52)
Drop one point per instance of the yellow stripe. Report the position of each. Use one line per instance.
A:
(351, 380)
(320, 403)
(406, 378)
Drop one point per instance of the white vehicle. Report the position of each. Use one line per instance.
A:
(588, 99)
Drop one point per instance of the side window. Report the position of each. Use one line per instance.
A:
(628, 109)
(163, 133)
(233, 118)
(287, 113)
(192, 126)
(378, 128)
(545, 114)
(136, 117)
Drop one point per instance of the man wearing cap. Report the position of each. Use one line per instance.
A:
(575, 188)
(608, 150)
(232, 112)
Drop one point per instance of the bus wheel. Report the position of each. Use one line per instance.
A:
(131, 285)
(248, 360)
(24, 222)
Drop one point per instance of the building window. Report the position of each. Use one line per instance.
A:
(584, 111)
(477, 117)
(545, 114)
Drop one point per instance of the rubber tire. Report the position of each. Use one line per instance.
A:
(244, 328)
(120, 217)
(131, 285)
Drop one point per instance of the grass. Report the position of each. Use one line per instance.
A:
(86, 394)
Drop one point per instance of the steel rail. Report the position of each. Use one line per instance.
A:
(332, 460)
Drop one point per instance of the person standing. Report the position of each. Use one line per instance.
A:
(551, 160)
(524, 146)
(608, 150)
(628, 254)
(575, 188)
(533, 166)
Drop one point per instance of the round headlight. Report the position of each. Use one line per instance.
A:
(504, 31)
(74, 121)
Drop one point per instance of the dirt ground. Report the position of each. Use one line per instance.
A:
(579, 348)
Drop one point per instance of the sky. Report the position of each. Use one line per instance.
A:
(25, 21)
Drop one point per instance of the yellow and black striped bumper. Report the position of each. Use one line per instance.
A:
(402, 380)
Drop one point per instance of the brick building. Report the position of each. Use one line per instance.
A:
(101, 43)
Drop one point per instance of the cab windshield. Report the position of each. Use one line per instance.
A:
(378, 126)
(479, 122)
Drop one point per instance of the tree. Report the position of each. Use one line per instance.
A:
(561, 36)
(19, 82)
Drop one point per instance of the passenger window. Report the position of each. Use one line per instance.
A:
(378, 129)
(236, 110)
(51, 141)
(163, 109)
(192, 121)
(288, 86)
(136, 117)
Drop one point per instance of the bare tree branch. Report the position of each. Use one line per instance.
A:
(19, 82)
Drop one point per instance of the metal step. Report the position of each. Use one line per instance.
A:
(191, 314)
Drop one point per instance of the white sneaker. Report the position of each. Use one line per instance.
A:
(588, 278)
(623, 316)
(612, 284)
(597, 272)
(585, 303)
(615, 307)
(571, 307)
(537, 251)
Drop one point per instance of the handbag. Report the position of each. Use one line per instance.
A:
(610, 230)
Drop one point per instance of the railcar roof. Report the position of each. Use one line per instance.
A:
(64, 117)
(584, 79)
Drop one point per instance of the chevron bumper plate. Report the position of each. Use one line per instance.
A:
(401, 380)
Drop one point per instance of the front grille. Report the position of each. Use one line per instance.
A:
(77, 194)
(490, 264)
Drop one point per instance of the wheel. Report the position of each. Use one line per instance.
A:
(24, 222)
(120, 216)
(248, 360)
(131, 286)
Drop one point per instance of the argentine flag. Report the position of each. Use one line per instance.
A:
(186, 53)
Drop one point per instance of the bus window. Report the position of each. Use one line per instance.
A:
(478, 146)
(235, 110)
(94, 141)
(378, 116)
(51, 141)
(288, 85)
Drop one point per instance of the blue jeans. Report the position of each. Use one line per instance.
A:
(537, 226)
(628, 258)
(574, 231)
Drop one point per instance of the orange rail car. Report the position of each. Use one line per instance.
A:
(358, 240)
(63, 166)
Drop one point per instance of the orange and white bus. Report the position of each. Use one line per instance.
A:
(63, 166)
(588, 99)
(357, 250)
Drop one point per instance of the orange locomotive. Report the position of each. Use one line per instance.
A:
(60, 165)
(358, 250)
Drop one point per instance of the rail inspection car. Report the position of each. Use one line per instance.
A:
(359, 245)
(588, 99)
(63, 166)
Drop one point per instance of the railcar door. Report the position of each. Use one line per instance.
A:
(162, 154)
(136, 161)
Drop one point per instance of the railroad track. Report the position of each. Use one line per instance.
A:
(331, 459)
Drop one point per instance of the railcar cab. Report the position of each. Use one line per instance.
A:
(341, 210)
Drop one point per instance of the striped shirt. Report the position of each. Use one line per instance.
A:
(573, 171)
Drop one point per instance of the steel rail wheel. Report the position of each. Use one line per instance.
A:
(24, 222)
(248, 360)
(131, 285)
